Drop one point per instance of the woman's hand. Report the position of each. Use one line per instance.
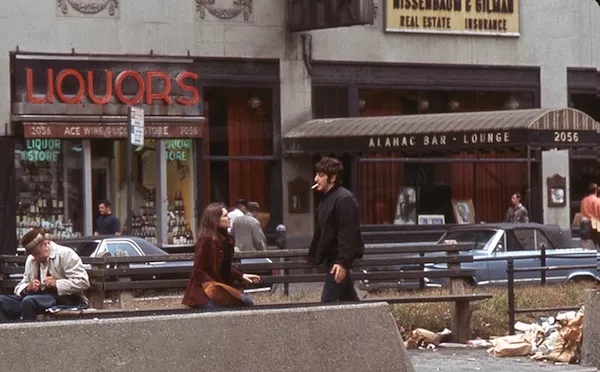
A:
(251, 278)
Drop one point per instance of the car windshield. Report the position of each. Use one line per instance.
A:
(478, 239)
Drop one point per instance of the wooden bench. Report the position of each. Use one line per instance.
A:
(113, 275)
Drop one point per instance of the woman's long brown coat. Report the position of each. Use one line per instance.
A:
(207, 267)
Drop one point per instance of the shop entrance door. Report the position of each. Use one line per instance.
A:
(101, 184)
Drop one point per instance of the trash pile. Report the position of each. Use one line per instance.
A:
(556, 339)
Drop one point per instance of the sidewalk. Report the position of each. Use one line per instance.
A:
(467, 360)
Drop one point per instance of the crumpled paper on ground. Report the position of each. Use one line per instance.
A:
(421, 337)
(557, 343)
(564, 344)
(516, 345)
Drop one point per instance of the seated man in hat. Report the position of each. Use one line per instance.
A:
(54, 275)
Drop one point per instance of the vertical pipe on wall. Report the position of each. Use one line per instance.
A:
(88, 203)
(161, 193)
(276, 170)
(529, 179)
(475, 185)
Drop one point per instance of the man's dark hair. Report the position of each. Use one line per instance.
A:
(592, 188)
(518, 196)
(241, 202)
(253, 207)
(331, 167)
(105, 202)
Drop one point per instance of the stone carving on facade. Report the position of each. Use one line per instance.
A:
(225, 9)
(87, 8)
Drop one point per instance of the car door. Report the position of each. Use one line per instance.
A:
(566, 256)
(518, 244)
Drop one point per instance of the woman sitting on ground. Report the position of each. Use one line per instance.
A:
(210, 285)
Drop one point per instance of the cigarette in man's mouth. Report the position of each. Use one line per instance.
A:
(314, 186)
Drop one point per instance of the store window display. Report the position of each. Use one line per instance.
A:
(180, 193)
(49, 183)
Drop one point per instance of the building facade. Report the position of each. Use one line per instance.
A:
(222, 82)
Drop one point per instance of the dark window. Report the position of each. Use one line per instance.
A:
(477, 238)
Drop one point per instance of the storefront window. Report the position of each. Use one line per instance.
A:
(231, 180)
(143, 200)
(397, 193)
(180, 191)
(50, 185)
(387, 102)
(330, 102)
(587, 103)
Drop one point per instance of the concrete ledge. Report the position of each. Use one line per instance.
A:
(590, 349)
(361, 337)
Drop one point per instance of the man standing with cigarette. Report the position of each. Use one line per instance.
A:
(337, 240)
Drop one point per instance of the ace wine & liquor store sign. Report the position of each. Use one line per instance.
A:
(463, 17)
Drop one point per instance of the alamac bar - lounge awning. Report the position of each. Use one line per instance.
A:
(543, 128)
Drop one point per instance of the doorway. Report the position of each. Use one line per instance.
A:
(101, 181)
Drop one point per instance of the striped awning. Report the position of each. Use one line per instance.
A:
(457, 131)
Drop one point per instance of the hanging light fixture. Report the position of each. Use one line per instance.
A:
(254, 102)
(453, 105)
(512, 104)
(361, 103)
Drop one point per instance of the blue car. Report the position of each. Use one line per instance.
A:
(493, 244)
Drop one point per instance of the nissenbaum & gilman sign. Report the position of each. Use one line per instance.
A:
(465, 17)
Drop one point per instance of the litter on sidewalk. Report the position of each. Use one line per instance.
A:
(556, 339)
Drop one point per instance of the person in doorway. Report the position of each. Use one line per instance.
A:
(246, 230)
(107, 223)
(54, 275)
(337, 240)
(211, 284)
(516, 213)
(240, 209)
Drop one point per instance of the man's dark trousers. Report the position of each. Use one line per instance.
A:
(13, 307)
(338, 292)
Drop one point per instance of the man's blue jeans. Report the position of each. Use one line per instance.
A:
(338, 292)
(13, 307)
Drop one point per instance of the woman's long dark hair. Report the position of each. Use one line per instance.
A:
(209, 223)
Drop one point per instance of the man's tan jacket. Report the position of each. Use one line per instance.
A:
(63, 264)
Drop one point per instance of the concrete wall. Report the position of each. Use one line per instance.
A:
(556, 162)
(590, 349)
(333, 338)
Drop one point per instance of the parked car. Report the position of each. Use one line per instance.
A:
(493, 244)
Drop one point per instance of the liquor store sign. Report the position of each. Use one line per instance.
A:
(115, 131)
(464, 17)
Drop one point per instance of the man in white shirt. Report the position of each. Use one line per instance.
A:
(54, 275)
(241, 208)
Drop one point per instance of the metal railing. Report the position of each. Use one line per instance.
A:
(542, 269)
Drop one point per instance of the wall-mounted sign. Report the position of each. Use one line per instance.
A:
(41, 150)
(136, 121)
(444, 141)
(116, 131)
(557, 191)
(178, 149)
(471, 17)
(113, 83)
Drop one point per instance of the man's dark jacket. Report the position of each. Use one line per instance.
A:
(337, 236)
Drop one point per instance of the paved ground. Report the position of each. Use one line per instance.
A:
(467, 360)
